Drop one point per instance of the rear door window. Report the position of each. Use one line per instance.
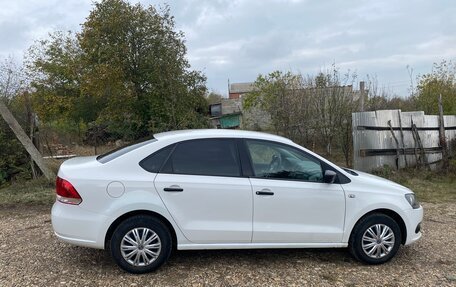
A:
(213, 157)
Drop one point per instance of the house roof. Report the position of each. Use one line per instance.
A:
(240, 88)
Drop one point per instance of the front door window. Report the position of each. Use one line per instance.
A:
(278, 161)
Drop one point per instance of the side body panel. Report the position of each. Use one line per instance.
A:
(367, 193)
(298, 212)
(210, 209)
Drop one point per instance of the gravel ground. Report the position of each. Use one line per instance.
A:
(31, 256)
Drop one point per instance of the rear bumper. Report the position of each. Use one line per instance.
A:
(413, 218)
(77, 226)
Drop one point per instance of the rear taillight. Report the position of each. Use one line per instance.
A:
(66, 193)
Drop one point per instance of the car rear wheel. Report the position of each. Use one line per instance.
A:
(141, 244)
(375, 239)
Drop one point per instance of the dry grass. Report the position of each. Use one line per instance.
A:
(32, 192)
(430, 186)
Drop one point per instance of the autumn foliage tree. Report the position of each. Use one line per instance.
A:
(13, 157)
(440, 81)
(126, 70)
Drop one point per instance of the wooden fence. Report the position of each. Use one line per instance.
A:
(398, 139)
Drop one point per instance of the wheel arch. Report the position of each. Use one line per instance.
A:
(129, 214)
(391, 213)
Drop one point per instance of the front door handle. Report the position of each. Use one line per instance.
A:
(173, 188)
(264, 192)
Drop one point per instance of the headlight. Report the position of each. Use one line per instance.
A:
(411, 198)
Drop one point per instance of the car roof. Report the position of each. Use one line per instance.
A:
(214, 133)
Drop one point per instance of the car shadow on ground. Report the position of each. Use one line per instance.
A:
(88, 257)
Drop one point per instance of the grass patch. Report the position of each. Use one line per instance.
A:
(31, 192)
(435, 190)
(429, 186)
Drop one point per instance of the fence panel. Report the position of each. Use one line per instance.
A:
(375, 146)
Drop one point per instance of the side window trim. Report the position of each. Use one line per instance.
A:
(168, 168)
(245, 159)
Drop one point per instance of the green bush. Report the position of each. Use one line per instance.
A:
(14, 161)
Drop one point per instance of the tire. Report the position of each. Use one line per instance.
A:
(141, 244)
(365, 244)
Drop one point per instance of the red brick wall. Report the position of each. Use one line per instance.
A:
(234, 95)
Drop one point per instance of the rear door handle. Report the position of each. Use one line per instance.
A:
(264, 192)
(173, 188)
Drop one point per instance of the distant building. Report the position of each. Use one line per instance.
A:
(229, 114)
(238, 89)
(226, 114)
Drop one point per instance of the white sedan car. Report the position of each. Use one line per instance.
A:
(227, 189)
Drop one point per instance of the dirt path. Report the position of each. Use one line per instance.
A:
(30, 255)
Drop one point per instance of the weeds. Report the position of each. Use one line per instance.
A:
(31, 192)
(430, 186)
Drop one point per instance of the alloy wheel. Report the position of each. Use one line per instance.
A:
(140, 246)
(378, 241)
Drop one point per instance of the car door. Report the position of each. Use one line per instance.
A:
(292, 204)
(202, 187)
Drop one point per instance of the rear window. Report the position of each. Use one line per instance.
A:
(104, 158)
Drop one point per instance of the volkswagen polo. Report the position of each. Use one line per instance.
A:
(227, 189)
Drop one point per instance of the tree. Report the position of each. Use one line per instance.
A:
(126, 70)
(136, 62)
(213, 98)
(56, 70)
(11, 78)
(333, 102)
(25, 141)
(382, 98)
(310, 110)
(273, 95)
(13, 156)
(440, 81)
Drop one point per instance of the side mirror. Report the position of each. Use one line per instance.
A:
(330, 176)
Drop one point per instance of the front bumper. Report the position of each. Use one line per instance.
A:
(77, 226)
(413, 218)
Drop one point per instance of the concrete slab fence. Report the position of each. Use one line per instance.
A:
(374, 144)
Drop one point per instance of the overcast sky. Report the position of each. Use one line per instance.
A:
(239, 39)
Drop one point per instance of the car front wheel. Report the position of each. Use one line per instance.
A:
(375, 239)
(141, 244)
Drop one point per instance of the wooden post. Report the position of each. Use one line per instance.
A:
(442, 139)
(32, 129)
(25, 140)
(420, 145)
(361, 96)
(418, 162)
(402, 137)
(397, 144)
